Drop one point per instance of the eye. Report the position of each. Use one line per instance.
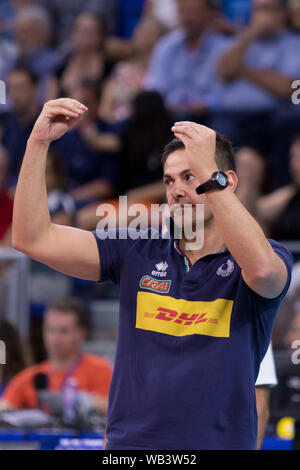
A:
(168, 182)
(189, 176)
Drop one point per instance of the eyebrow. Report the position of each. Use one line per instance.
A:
(182, 173)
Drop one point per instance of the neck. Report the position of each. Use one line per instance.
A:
(64, 363)
(193, 40)
(212, 243)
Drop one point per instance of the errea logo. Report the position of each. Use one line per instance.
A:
(161, 269)
(226, 269)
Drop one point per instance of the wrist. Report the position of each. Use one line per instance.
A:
(34, 140)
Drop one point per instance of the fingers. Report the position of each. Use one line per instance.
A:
(183, 129)
(191, 129)
(66, 107)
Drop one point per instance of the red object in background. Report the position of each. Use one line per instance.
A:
(6, 212)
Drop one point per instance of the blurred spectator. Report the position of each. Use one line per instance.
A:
(87, 58)
(251, 170)
(33, 33)
(8, 54)
(64, 14)
(6, 202)
(280, 210)
(294, 15)
(90, 150)
(60, 203)
(165, 12)
(8, 11)
(127, 77)
(18, 354)
(16, 125)
(148, 131)
(182, 68)
(260, 66)
(255, 107)
(293, 332)
(65, 326)
(285, 398)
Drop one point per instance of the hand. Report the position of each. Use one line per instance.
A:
(57, 117)
(200, 145)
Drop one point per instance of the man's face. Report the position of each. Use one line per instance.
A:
(269, 15)
(62, 335)
(181, 187)
(194, 15)
(30, 34)
(86, 34)
(22, 91)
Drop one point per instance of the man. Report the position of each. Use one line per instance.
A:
(64, 329)
(64, 14)
(16, 125)
(183, 65)
(189, 348)
(257, 69)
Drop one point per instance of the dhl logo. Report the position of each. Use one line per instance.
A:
(180, 317)
(166, 314)
(147, 282)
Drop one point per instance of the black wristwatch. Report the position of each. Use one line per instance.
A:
(219, 180)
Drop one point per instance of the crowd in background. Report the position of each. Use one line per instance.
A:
(139, 66)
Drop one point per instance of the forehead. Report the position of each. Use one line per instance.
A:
(60, 318)
(176, 162)
(18, 77)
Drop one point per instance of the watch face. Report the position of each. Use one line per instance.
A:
(222, 179)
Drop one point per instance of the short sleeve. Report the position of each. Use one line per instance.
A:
(288, 260)
(112, 246)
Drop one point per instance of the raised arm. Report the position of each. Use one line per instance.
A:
(68, 250)
(262, 269)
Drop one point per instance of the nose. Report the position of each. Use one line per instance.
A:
(178, 191)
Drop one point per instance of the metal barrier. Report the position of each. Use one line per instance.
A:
(15, 289)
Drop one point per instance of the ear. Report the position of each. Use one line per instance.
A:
(232, 179)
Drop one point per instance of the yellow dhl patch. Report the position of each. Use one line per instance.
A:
(179, 317)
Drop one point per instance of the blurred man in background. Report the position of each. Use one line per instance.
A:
(182, 68)
(18, 122)
(65, 326)
(258, 69)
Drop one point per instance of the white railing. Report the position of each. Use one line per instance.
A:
(15, 289)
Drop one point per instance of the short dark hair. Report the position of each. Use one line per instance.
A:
(225, 156)
(23, 68)
(72, 305)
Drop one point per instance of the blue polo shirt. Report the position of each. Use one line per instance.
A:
(191, 77)
(189, 347)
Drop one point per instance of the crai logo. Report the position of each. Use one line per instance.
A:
(2, 352)
(2, 92)
(147, 282)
